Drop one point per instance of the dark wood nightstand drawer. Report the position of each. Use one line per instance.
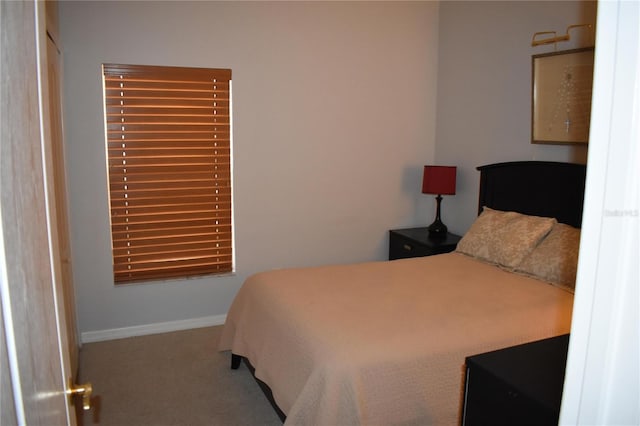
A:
(415, 242)
(402, 248)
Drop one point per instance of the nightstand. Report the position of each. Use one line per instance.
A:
(415, 242)
(519, 385)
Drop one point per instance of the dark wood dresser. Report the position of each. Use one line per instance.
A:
(519, 385)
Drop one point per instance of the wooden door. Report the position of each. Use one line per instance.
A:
(33, 312)
(57, 188)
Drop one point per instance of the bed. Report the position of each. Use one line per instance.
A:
(385, 342)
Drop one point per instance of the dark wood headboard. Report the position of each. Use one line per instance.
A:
(539, 188)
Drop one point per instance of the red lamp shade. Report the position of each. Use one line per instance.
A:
(439, 180)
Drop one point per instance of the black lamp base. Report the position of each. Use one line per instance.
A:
(437, 229)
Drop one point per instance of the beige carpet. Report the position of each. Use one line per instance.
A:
(175, 378)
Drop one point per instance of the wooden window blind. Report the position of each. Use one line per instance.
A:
(169, 164)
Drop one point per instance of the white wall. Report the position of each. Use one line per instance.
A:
(334, 116)
(484, 88)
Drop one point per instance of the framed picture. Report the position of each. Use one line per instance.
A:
(561, 96)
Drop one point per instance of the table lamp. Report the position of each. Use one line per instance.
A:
(439, 180)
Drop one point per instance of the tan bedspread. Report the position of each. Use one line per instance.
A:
(384, 343)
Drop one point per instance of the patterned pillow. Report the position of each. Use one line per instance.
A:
(504, 238)
(555, 260)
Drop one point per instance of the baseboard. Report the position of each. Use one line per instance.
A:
(156, 328)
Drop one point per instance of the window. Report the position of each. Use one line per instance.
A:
(168, 135)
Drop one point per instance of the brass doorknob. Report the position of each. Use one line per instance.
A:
(83, 390)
